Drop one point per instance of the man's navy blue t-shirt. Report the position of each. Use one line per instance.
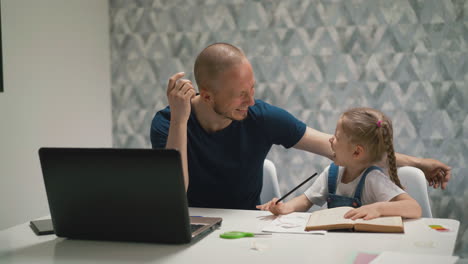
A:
(226, 167)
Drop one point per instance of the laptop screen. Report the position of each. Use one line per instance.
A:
(116, 194)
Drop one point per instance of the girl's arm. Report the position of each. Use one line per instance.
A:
(401, 205)
(298, 204)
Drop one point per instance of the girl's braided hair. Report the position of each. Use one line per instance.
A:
(373, 130)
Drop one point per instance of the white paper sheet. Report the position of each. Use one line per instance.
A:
(410, 258)
(291, 223)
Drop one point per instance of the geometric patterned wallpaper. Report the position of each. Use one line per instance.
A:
(315, 59)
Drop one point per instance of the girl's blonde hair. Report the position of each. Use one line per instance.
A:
(373, 130)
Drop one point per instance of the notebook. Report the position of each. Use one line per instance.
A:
(120, 194)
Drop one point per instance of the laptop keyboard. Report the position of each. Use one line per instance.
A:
(195, 227)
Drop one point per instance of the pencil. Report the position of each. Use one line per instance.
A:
(295, 188)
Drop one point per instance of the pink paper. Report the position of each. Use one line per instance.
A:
(364, 258)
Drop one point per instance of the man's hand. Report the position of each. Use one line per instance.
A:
(437, 173)
(179, 94)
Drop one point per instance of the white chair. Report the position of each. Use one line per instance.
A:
(415, 184)
(270, 182)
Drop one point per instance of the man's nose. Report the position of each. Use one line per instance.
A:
(251, 101)
(251, 98)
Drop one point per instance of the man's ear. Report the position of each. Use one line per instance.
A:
(359, 152)
(206, 95)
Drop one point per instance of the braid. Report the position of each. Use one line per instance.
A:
(391, 159)
(372, 129)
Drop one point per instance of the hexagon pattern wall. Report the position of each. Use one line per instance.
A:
(315, 59)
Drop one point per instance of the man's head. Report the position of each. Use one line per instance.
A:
(214, 60)
(225, 80)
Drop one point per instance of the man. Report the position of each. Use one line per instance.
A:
(224, 135)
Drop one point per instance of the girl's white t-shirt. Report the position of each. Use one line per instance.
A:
(377, 188)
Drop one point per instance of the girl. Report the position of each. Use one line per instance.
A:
(362, 137)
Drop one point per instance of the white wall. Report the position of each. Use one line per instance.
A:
(57, 93)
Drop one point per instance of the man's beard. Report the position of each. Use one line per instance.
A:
(218, 111)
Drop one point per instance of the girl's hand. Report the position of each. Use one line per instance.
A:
(366, 212)
(276, 209)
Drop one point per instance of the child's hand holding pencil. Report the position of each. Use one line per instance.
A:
(276, 207)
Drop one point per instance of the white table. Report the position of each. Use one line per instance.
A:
(20, 245)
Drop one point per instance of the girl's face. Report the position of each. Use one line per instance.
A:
(342, 148)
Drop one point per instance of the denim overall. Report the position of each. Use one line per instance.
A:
(338, 200)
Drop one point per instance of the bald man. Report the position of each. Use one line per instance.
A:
(224, 135)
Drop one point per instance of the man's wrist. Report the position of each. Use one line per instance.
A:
(405, 160)
(177, 124)
(418, 163)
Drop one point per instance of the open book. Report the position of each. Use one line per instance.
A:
(331, 219)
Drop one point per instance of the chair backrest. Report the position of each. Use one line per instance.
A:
(414, 182)
(270, 182)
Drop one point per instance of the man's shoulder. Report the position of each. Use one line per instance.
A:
(163, 115)
(261, 106)
(260, 103)
(165, 112)
(160, 128)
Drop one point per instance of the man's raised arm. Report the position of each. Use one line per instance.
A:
(437, 173)
(179, 94)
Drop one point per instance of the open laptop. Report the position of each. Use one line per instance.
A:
(120, 194)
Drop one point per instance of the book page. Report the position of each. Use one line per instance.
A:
(388, 224)
(329, 217)
(384, 221)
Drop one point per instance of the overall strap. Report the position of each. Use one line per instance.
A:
(332, 177)
(360, 186)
